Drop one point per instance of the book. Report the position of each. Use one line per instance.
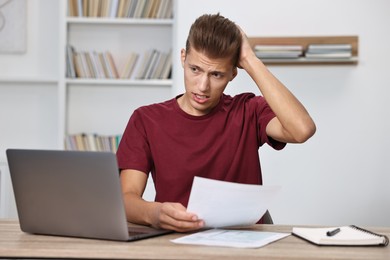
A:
(130, 8)
(70, 58)
(129, 66)
(139, 9)
(98, 66)
(92, 142)
(341, 236)
(329, 51)
(145, 63)
(278, 51)
(104, 65)
(164, 9)
(113, 8)
(167, 69)
(78, 64)
(329, 47)
(152, 66)
(154, 9)
(266, 47)
(122, 12)
(278, 54)
(85, 67)
(160, 65)
(111, 64)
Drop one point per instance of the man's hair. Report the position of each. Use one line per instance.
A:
(216, 37)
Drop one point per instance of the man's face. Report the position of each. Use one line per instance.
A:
(205, 80)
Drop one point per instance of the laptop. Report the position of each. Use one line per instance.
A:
(71, 193)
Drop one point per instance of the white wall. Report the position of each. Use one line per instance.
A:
(40, 59)
(341, 175)
(28, 93)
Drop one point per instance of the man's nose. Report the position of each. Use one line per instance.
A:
(204, 83)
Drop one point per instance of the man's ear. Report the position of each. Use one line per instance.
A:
(234, 74)
(183, 56)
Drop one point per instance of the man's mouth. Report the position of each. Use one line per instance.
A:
(200, 99)
(200, 96)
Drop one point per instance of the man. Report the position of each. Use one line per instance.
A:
(204, 132)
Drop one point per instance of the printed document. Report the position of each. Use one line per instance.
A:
(222, 204)
(231, 238)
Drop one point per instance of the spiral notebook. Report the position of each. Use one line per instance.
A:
(344, 236)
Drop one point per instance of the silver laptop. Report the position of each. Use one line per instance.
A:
(71, 193)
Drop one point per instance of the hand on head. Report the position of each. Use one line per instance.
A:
(246, 52)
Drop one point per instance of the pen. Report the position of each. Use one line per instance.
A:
(333, 232)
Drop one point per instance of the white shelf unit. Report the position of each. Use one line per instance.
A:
(125, 21)
(120, 82)
(103, 106)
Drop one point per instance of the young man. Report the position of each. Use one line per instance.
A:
(204, 132)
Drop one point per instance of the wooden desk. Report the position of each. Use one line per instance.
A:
(16, 244)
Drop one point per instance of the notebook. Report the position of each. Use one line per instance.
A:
(71, 193)
(341, 236)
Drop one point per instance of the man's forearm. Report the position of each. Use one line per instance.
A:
(291, 113)
(139, 211)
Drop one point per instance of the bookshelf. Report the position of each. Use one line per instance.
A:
(94, 105)
(305, 41)
(129, 21)
(120, 82)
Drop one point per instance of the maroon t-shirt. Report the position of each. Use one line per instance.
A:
(175, 146)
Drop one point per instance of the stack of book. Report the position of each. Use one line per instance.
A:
(157, 9)
(153, 64)
(329, 51)
(92, 142)
(278, 51)
(90, 64)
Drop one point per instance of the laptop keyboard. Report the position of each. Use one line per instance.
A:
(135, 233)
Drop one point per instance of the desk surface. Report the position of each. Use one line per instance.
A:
(16, 244)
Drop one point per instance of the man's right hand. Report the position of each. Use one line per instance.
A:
(174, 216)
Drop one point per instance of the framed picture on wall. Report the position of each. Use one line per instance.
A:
(13, 23)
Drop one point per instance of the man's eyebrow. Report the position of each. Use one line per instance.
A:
(217, 72)
(211, 72)
(195, 66)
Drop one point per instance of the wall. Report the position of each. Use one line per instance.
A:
(28, 93)
(341, 175)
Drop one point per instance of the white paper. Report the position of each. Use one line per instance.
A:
(231, 238)
(222, 204)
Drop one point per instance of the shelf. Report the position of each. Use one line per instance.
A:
(303, 60)
(118, 21)
(102, 42)
(25, 80)
(304, 42)
(120, 82)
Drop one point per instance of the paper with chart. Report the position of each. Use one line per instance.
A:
(231, 238)
(222, 204)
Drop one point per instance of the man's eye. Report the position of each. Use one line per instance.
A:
(217, 75)
(193, 69)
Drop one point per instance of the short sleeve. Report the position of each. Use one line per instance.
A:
(134, 150)
(264, 114)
